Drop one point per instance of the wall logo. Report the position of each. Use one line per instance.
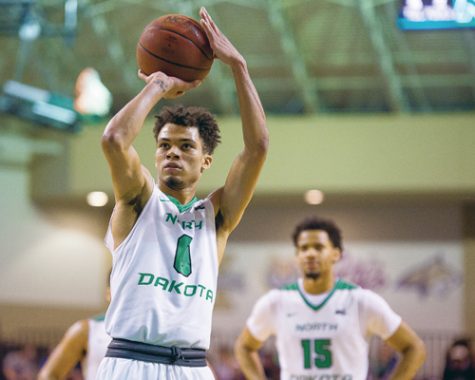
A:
(434, 277)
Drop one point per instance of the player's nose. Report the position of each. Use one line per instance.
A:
(173, 152)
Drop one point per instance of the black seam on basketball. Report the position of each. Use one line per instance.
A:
(186, 38)
(173, 63)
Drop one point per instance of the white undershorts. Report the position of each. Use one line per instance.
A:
(128, 369)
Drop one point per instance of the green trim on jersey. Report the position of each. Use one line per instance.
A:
(98, 318)
(339, 285)
(181, 207)
(293, 286)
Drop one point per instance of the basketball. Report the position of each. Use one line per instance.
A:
(176, 45)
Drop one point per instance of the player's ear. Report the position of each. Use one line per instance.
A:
(207, 160)
(336, 255)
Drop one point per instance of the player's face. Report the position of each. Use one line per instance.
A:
(316, 253)
(180, 158)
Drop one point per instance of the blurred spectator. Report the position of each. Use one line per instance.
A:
(270, 364)
(21, 364)
(459, 361)
(225, 366)
(384, 363)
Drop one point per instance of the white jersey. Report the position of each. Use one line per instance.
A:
(164, 275)
(326, 339)
(97, 343)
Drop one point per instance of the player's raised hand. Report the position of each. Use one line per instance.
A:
(169, 87)
(223, 49)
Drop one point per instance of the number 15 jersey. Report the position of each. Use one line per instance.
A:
(326, 338)
(164, 275)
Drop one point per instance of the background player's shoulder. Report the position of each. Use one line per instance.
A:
(98, 317)
(346, 285)
(276, 294)
(290, 287)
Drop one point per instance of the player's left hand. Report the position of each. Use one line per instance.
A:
(223, 49)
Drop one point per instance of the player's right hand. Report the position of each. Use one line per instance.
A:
(168, 87)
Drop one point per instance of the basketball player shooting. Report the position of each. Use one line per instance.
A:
(166, 244)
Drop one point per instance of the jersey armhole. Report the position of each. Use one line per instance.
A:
(109, 240)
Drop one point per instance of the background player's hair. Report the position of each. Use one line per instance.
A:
(316, 223)
(191, 117)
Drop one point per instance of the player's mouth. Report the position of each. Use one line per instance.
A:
(311, 265)
(172, 167)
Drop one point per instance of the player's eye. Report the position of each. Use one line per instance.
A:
(164, 145)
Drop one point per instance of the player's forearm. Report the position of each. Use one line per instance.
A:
(412, 360)
(124, 127)
(255, 133)
(250, 363)
(47, 375)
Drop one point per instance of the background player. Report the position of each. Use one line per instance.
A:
(322, 325)
(84, 342)
(167, 244)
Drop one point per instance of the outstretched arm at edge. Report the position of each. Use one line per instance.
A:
(246, 351)
(412, 349)
(70, 350)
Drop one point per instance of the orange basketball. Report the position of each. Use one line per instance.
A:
(176, 45)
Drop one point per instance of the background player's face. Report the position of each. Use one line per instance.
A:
(316, 253)
(180, 158)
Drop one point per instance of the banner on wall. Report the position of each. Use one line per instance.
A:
(426, 274)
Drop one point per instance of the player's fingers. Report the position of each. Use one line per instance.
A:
(189, 86)
(212, 24)
(141, 75)
(209, 21)
(207, 28)
(175, 95)
(204, 13)
(196, 83)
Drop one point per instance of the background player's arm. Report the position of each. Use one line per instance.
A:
(246, 351)
(130, 180)
(242, 178)
(412, 349)
(67, 353)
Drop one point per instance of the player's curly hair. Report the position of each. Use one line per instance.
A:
(191, 117)
(316, 223)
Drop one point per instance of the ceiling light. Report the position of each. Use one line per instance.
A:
(92, 97)
(97, 199)
(313, 197)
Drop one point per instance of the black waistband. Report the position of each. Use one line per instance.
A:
(126, 349)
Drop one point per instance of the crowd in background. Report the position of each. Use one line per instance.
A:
(24, 362)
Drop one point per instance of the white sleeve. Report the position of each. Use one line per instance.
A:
(377, 316)
(261, 322)
(108, 239)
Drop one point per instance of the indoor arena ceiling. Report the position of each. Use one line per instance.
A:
(305, 56)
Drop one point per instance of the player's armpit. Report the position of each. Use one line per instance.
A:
(128, 209)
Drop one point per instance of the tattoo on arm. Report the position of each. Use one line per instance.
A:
(160, 83)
